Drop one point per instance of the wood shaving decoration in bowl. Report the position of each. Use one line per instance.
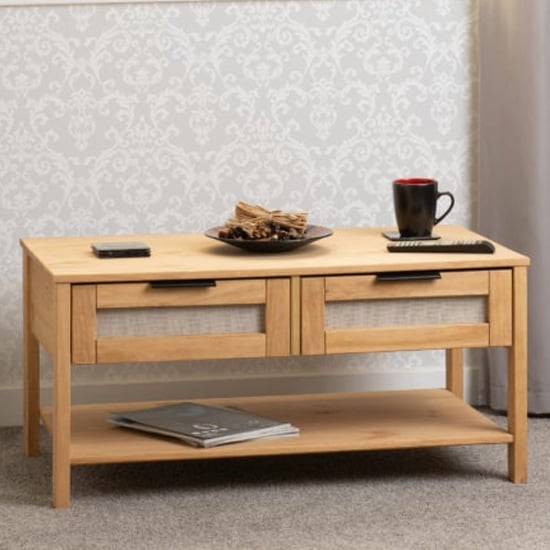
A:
(256, 222)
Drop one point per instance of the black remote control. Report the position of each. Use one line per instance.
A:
(467, 246)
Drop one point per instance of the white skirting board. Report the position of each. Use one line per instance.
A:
(11, 402)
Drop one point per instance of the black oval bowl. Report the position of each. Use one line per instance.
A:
(313, 233)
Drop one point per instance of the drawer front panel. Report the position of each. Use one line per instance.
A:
(360, 313)
(369, 287)
(407, 338)
(173, 348)
(132, 295)
(134, 322)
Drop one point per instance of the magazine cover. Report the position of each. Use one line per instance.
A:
(202, 425)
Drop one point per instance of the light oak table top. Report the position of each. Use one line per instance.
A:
(193, 255)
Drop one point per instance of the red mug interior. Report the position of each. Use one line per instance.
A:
(409, 181)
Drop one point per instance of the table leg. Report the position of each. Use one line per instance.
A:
(31, 372)
(517, 381)
(61, 428)
(454, 373)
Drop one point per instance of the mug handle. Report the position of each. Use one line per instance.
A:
(450, 195)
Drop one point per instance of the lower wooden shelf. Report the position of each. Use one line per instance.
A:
(327, 422)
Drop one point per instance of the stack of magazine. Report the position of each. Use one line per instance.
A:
(203, 425)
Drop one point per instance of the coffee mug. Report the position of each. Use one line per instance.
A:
(415, 204)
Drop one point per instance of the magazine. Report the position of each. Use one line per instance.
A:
(202, 425)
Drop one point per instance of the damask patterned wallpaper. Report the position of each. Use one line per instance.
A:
(160, 117)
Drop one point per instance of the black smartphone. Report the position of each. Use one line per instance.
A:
(121, 250)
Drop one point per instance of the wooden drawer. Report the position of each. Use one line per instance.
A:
(364, 313)
(128, 322)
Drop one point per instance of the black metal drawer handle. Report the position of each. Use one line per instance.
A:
(408, 276)
(183, 283)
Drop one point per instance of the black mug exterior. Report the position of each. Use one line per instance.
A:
(415, 203)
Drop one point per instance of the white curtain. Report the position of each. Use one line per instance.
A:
(514, 202)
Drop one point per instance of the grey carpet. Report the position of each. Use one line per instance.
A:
(441, 498)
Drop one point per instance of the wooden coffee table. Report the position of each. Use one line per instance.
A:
(222, 302)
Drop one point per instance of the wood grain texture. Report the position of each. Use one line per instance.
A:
(31, 367)
(295, 315)
(83, 324)
(327, 422)
(180, 347)
(124, 295)
(500, 307)
(193, 256)
(61, 442)
(277, 317)
(454, 372)
(517, 381)
(60, 306)
(42, 305)
(313, 316)
(367, 287)
(416, 337)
